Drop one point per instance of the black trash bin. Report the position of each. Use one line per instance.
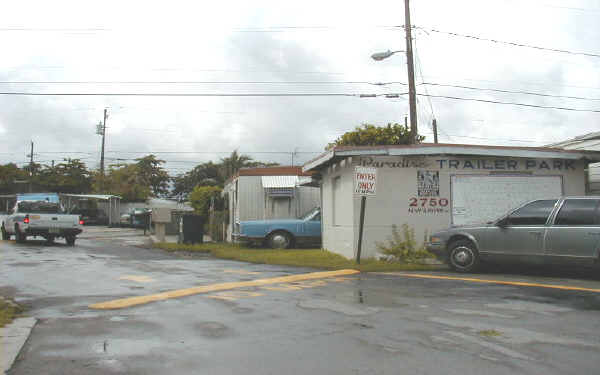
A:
(193, 229)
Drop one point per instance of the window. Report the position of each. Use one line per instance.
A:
(534, 213)
(578, 212)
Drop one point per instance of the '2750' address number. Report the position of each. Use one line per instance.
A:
(428, 202)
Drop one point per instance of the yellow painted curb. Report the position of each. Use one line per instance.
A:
(502, 282)
(134, 301)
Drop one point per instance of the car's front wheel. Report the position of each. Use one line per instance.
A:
(463, 256)
(279, 240)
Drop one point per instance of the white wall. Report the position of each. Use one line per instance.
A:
(397, 184)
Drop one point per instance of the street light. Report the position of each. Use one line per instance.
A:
(383, 55)
(412, 92)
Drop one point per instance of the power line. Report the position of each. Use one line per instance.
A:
(514, 44)
(512, 103)
(16, 93)
(197, 82)
(509, 91)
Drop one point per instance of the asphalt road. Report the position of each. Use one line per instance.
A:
(355, 324)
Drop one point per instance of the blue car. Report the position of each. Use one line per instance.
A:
(281, 233)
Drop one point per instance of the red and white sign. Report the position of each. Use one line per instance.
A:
(365, 181)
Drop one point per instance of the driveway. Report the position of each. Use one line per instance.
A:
(405, 323)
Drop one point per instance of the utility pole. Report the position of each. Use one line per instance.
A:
(435, 140)
(103, 136)
(412, 93)
(31, 168)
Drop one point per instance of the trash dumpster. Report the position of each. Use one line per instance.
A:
(193, 229)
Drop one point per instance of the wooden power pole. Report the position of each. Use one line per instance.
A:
(434, 125)
(103, 136)
(412, 93)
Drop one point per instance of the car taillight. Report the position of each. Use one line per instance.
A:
(26, 220)
(80, 222)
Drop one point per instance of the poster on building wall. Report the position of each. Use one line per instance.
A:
(428, 183)
(365, 181)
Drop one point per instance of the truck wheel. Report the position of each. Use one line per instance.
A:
(70, 240)
(279, 240)
(19, 237)
(5, 235)
(49, 240)
(463, 256)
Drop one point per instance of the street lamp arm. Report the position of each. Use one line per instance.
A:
(383, 55)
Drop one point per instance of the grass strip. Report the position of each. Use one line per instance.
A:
(313, 258)
(8, 311)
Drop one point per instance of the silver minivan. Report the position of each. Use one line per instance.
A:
(544, 231)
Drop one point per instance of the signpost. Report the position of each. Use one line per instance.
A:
(365, 184)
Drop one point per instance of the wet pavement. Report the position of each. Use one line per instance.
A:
(354, 324)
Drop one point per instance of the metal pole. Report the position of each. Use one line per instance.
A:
(435, 139)
(31, 169)
(412, 93)
(363, 200)
(102, 152)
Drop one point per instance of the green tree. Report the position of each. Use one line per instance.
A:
(123, 180)
(71, 176)
(201, 196)
(10, 175)
(152, 174)
(371, 135)
(205, 174)
(233, 163)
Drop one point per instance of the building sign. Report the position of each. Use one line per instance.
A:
(427, 200)
(365, 181)
(397, 163)
(428, 183)
(507, 164)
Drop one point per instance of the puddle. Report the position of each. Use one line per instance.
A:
(370, 298)
(512, 335)
(533, 307)
(321, 304)
(488, 314)
(212, 329)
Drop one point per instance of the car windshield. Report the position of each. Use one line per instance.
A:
(309, 214)
(40, 207)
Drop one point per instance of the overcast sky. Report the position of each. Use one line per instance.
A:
(308, 47)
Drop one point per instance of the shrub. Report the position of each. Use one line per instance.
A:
(403, 247)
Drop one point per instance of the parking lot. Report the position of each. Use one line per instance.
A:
(293, 320)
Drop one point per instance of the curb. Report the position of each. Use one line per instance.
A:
(13, 337)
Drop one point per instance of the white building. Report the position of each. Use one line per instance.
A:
(431, 186)
(269, 193)
(589, 142)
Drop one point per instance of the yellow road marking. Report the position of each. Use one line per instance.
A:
(139, 279)
(502, 282)
(232, 295)
(241, 272)
(140, 300)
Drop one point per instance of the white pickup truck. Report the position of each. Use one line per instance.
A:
(40, 218)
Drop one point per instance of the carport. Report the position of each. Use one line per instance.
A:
(112, 204)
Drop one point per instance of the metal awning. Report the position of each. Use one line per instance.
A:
(103, 197)
(271, 182)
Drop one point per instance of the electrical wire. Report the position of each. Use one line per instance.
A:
(508, 91)
(182, 94)
(513, 44)
(512, 103)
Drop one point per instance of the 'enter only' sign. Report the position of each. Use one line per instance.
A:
(365, 181)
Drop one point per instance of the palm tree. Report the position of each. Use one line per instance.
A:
(233, 163)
